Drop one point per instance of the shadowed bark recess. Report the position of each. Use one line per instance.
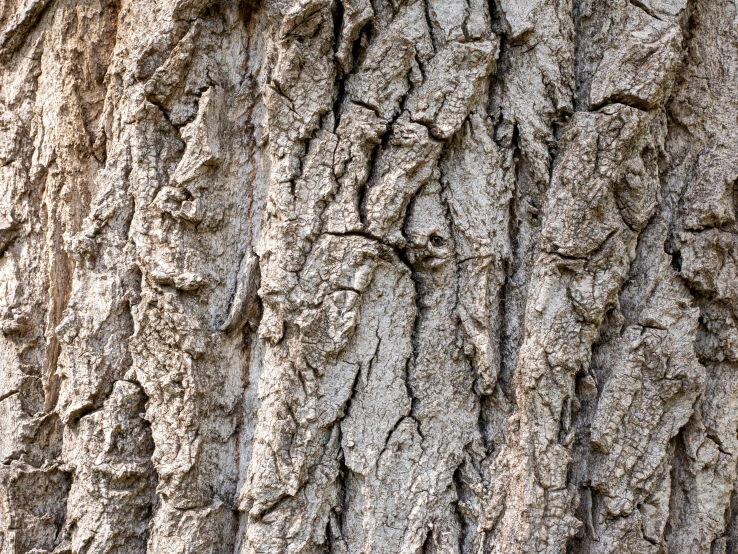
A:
(368, 277)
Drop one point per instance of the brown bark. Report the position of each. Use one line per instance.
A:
(368, 276)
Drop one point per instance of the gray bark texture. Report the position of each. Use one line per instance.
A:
(368, 276)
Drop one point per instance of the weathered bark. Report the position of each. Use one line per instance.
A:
(368, 276)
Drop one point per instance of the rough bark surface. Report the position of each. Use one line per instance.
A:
(368, 277)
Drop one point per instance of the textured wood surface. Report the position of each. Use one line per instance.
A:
(368, 277)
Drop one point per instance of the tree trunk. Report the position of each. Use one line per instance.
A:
(368, 276)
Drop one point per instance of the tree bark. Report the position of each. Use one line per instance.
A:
(368, 277)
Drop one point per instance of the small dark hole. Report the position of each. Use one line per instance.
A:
(437, 241)
(676, 261)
